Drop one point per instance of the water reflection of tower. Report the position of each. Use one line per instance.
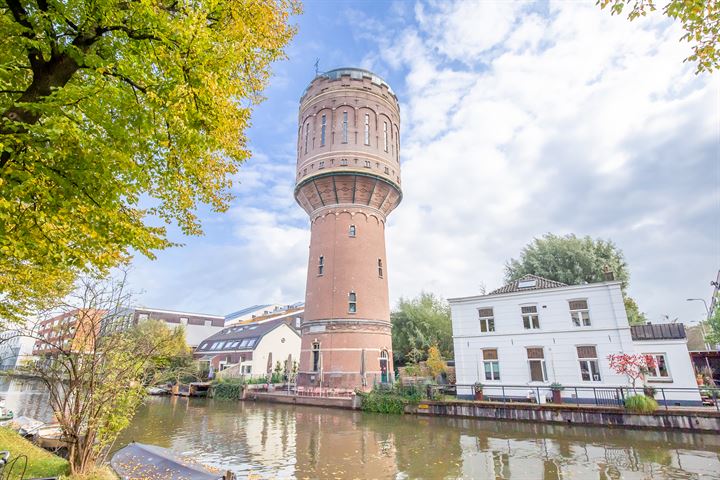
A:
(335, 444)
(348, 181)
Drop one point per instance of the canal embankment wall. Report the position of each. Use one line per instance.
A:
(686, 419)
(690, 420)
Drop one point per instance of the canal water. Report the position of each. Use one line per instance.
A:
(259, 440)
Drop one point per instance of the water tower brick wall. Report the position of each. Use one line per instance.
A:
(348, 181)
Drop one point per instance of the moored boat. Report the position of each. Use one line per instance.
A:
(140, 461)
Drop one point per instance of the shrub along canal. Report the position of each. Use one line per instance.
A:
(274, 440)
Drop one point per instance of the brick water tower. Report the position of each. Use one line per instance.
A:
(348, 181)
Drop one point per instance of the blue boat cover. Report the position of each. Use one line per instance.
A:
(139, 461)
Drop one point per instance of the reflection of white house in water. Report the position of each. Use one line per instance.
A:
(559, 458)
(535, 331)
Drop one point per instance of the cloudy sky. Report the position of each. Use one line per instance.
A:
(517, 119)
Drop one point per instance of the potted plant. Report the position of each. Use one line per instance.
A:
(556, 388)
(478, 389)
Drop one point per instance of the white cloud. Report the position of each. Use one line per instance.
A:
(549, 123)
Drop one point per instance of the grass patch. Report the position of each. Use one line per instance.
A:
(41, 463)
(640, 404)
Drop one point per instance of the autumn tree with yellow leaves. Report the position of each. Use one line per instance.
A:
(118, 118)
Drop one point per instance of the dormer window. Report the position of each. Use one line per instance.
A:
(527, 283)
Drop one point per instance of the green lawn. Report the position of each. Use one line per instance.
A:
(40, 462)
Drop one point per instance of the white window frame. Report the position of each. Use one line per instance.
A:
(490, 363)
(543, 365)
(589, 362)
(530, 316)
(578, 320)
(657, 377)
(487, 321)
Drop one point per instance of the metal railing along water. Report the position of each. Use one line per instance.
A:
(603, 396)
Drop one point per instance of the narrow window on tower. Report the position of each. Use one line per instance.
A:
(385, 138)
(322, 131)
(380, 272)
(321, 265)
(316, 356)
(345, 127)
(352, 231)
(352, 302)
(307, 134)
(367, 129)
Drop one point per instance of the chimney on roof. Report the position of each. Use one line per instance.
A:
(609, 275)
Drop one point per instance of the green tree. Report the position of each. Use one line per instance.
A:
(94, 377)
(713, 324)
(418, 324)
(572, 260)
(118, 117)
(634, 315)
(173, 360)
(700, 20)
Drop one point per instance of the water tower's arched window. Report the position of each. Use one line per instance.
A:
(385, 137)
(352, 302)
(316, 356)
(345, 127)
(307, 135)
(323, 124)
(367, 129)
(384, 354)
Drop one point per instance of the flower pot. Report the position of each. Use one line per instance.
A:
(556, 396)
(479, 395)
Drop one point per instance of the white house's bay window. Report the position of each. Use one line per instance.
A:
(491, 364)
(487, 320)
(530, 317)
(660, 371)
(580, 313)
(589, 367)
(536, 361)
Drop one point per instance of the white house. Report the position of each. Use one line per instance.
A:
(253, 348)
(534, 332)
